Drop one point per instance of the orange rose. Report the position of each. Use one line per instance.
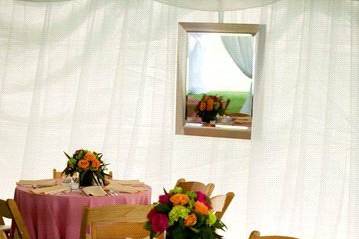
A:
(90, 157)
(179, 199)
(84, 164)
(95, 164)
(210, 103)
(190, 220)
(202, 106)
(201, 208)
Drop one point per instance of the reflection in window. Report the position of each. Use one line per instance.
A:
(220, 65)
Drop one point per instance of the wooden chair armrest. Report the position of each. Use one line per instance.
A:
(5, 227)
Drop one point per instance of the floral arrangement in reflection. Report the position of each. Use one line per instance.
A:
(210, 106)
(183, 215)
(89, 166)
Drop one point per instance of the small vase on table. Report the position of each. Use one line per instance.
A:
(208, 120)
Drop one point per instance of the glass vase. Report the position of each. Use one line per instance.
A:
(209, 119)
(86, 178)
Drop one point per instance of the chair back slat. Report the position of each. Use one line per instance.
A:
(119, 230)
(115, 221)
(4, 211)
(277, 237)
(220, 203)
(56, 174)
(9, 209)
(256, 235)
(195, 186)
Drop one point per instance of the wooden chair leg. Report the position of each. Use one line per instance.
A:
(3, 235)
(5, 231)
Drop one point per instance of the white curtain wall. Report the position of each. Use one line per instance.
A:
(100, 74)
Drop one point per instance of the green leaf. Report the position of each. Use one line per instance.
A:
(148, 226)
(152, 235)
(191, 195)
(80, 155)
(201, 220)
(164, 208)
(101, 176)
(181, 223)
(220, 225)
(73, 162)
(179, 233)
(67, 156)
(206, 233)
(95, 179)
(194, 229)
(217, 236)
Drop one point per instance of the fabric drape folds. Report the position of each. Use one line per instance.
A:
(217, 5)
(248, 103)
(101, 75)
(195, 61)
(241, 50)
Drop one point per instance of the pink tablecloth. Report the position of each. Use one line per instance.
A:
(59, 216)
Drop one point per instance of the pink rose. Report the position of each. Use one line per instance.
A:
(159, 221)
(203, 199)
(201, 196)
(164, 199)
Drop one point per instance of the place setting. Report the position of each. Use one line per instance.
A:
(86, 173)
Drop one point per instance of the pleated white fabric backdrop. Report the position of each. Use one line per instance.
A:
(100, 74)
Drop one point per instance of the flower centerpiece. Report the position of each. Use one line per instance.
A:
(209, 107)
(183, 215)
(89, 165)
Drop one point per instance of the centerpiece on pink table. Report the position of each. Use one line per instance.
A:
(183, 215)
(89, 166)
(209, 107)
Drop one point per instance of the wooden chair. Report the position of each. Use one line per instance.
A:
(4, 229)
(195, 186)
(109, 176)
(220, 203)
(3, 235)
(115, 222)
(257, 235)
(58, 174)
(9, 209)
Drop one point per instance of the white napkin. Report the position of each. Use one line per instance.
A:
(115, 187)
(95, 191)
(37, 183)
(50, 190)
(134, 182)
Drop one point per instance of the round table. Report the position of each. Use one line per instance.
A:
(59, 216)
